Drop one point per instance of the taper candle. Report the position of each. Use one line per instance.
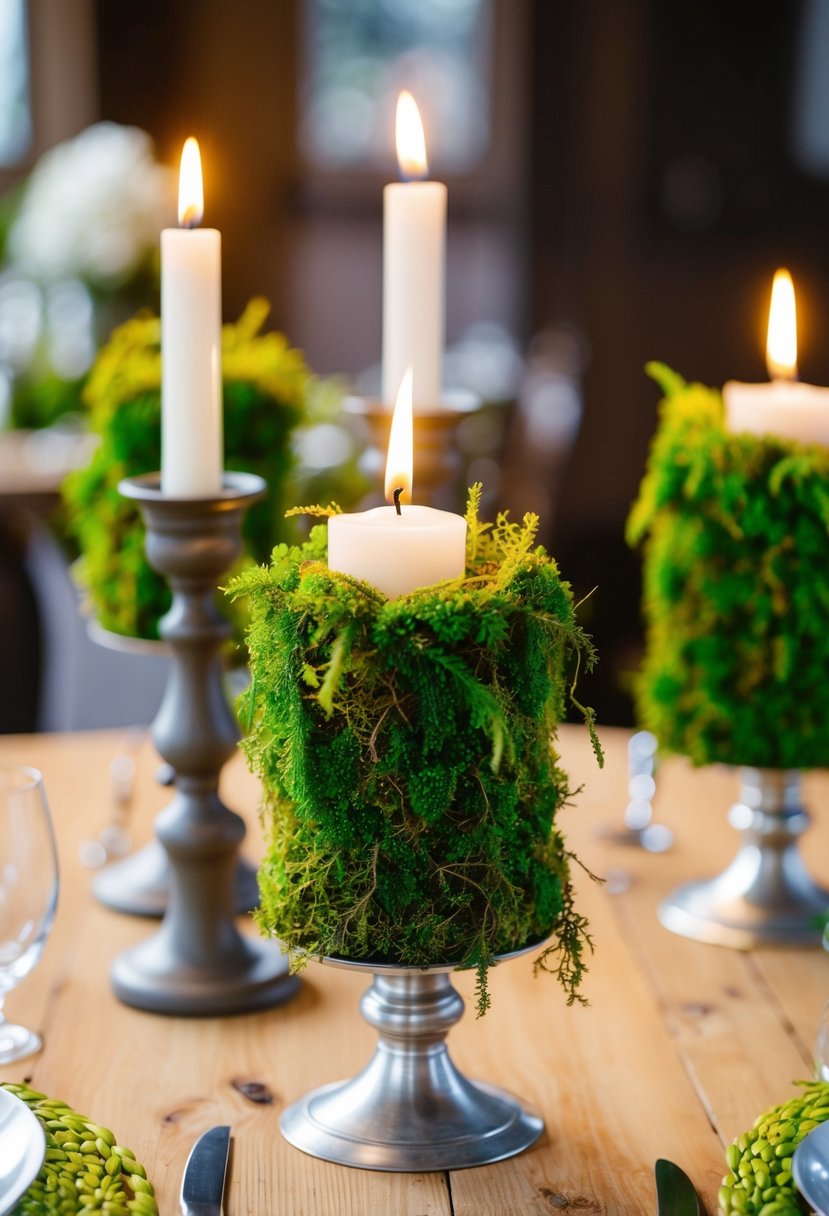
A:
(414, 240)
(191, 323)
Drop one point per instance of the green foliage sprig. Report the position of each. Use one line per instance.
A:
(266, 388)
(406, 754)
(736, 588)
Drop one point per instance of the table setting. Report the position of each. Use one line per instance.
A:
(415, 774)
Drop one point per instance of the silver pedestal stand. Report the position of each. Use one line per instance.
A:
(410, 1109)
(198, 962)
(139, 885)
(766, 895)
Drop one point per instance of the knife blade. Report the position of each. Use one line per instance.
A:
(675, 1194)
(203, 1185)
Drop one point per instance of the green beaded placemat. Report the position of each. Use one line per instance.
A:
(759, 1180)
(85, 1170)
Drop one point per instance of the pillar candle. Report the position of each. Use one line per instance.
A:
(399, 548)
(783, 407)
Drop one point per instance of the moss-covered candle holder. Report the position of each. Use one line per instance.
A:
(411, 787)
(736, 588)
(406, 752)
(266, 384)
(735, 529)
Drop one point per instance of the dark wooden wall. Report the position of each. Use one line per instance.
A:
(653, 192)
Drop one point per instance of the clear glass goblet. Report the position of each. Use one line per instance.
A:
(822, 1045)
(28, 891)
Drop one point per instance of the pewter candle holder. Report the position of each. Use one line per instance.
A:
(198, 962)
(410, 1109)
(139, 885)
(765, 896)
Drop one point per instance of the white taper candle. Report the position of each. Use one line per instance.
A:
(414, 254)
(191, 322)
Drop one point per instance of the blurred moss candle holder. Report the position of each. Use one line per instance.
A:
(735, 528)
(266, 385)
(406, 749)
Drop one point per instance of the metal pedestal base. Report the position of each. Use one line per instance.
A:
(151, 976)
(765, 896)
(198, 962)
(410, 1109)
(139, 885)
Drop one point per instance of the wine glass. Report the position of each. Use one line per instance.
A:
(28, 891)
(822, 1044)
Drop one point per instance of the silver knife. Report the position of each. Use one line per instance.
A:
(675, 1194)
(203, 1185)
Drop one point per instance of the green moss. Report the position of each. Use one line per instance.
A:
(266, 387)
(735, 529)
(407, 757)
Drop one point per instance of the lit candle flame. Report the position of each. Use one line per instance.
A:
(411, 142)
(401, 443)
(781, 344)
(190, 186)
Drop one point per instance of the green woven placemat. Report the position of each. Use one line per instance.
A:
(85, 1169)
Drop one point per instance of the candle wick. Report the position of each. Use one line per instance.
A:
(396, 493)
(191, 218)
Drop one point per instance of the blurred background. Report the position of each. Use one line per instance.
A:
(623, 180)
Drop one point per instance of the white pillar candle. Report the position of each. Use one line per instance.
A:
(399, 550)
(414, 254)
(784, 407)
(191, 323)
(398, 553)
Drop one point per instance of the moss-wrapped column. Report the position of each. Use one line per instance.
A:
(735, 529)
(406, 751)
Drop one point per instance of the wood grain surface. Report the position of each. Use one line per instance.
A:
(681, 1046)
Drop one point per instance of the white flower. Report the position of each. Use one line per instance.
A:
(93, 207)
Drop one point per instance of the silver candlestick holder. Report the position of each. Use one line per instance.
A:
(410, 1109)
(766, 895)
(139, 885)
(198, 962)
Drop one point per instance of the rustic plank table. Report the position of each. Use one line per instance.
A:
(681, 1047)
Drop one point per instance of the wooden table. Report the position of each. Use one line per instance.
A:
(680, 1049)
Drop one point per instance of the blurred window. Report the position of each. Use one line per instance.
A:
(360, 53)
(15, 110)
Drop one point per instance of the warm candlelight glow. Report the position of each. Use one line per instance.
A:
(781, 345)
(411, 142)
(401, 443)
(190, 186)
